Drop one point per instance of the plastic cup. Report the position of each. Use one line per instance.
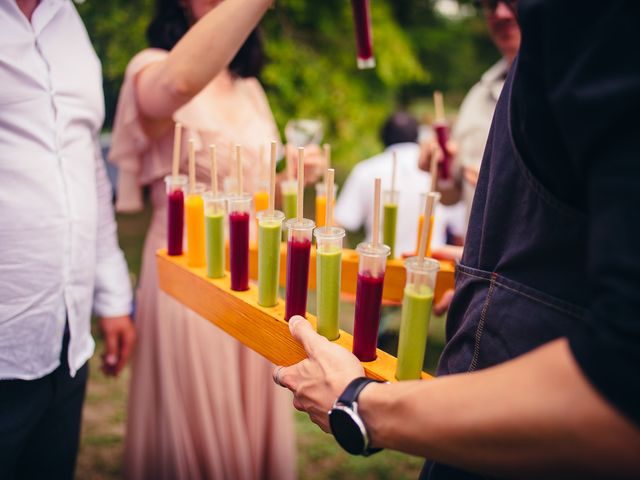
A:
(215, 209)
(371, 267)
(416, 313)
(423, 200)
(328, 269)
(362, 25)
(389, 219)
(321, 203)
(194, 217)
(239, 214)
(289, 191)
(298, 250)
(269, 235)
(176, 187)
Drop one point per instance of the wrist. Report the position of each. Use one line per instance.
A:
(371, 408)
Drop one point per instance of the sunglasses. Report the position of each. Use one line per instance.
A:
(490, 6)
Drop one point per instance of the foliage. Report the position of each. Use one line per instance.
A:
(312, 71)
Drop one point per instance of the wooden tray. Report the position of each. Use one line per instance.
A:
(237, 313)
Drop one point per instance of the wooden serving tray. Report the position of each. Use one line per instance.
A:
(238, 313)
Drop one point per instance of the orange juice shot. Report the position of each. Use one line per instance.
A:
(321, 203)
(423, 200)
(194, 216)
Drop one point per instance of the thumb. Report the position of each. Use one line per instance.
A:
(304, 333)
(111, 348)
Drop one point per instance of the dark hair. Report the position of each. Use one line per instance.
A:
(399, 127)
(171, 22)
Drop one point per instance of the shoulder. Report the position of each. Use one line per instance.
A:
(145, 58)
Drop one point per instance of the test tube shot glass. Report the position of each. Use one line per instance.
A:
(298, 251)
(239, 214)
(328, 270)
(269, 235)
(175, 187)
(215, 209)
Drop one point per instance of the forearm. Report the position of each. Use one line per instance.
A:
(202, 53)
(533, 416)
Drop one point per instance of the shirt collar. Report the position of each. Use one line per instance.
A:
(42, 15)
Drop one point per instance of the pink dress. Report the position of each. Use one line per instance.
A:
(201, 405)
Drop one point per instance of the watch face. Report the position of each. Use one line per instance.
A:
(348, 430)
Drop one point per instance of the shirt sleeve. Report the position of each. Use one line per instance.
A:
(112, 295)
(594, 95)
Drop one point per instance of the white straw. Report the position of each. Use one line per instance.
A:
(439, 105)
(329, 198)
(300, 183)
(376, 213)
(239, 168)
(426, 225)
(272, 178)
(177, 141)
(214, 170)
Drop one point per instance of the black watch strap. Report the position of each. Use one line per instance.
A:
(351, 393)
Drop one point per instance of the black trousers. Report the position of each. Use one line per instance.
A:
(40, 423)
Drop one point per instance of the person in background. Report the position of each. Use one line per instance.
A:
(60, 253)
(540, 377)
(201, 404)
(470, 131)
(354, 206)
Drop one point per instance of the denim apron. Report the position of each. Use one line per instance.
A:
(522, 279)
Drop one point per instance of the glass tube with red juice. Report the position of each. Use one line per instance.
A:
(442, 134)
(371, 267)
(364, 41)
(175, 186)
(239, 214)
(298, 250)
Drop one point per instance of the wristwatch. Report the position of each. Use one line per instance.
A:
(346, 425)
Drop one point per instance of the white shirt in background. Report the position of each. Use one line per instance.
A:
(354, 207)
(471, 129)
(57, 231)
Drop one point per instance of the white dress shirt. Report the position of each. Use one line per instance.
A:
(59, 250)
(354, 207)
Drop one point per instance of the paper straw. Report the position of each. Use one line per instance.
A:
(426, 225)
(214, 170)
(300, 182)
(376, 213)
(326, 148)
(272, 178)
(438, 102)
(177, 141)
(329, 192)
(239, 168)
(393, 172)
(192, 165)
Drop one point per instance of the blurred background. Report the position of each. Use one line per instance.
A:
(420, 46)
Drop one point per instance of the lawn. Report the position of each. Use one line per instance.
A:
(319, 457)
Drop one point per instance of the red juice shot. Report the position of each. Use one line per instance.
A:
(362, 25)
(442, 134)
(175, 187)
(298, 250)
(239, 207)
(371, 269)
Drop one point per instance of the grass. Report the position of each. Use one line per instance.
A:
(319, 456)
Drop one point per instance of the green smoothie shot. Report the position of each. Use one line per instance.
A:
(269, 237)
(214, 218)
(328, 269)
(389, 219)
(289, 191)
(416, 313)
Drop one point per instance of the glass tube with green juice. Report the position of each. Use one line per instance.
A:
(416, 313)
(328, 270)
(389, 219)
(215, 209)
(269, 237)
(289, 191)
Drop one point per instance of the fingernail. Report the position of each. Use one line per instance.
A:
(111, 359)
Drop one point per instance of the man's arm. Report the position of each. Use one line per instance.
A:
(112, 297)
(533, 417)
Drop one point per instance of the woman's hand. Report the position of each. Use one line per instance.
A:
(317, 381)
